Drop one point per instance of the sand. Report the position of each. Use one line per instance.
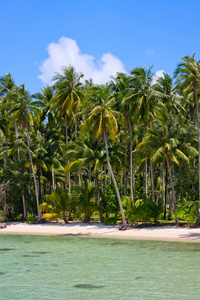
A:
(96, 229)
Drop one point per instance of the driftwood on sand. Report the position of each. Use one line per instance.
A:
(2, 225)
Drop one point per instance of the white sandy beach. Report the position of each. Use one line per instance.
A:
(101, 230)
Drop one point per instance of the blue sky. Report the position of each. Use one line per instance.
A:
(98, 36)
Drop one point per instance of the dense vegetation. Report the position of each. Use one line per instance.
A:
(127, 149)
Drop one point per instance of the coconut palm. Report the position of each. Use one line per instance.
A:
(188, 82)
(104, 121)
(84, 198)
(142, 81)
(57, 204)
(26, 113)
(68, 94)
(165, 140)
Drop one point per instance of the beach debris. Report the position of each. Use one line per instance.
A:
(3, 225)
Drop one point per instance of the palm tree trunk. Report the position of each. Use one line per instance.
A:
(146, 189)
(105, 176)
(152, 180)
(101, 179)
(53, 179)
(4, 183)
(16, 133)
(125, 181)
(164, 189)
(113, 178)
(173, 190)
(66, 141)
(34, 178)
(90, 177)
(131, 162)
(18, 154)
(98, 196)
(197, 111)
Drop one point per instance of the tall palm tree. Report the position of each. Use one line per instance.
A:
(26, 113)
(165, 140)
(69, 93)
(7, 92)
(104, 121)
(142, 81)
(67, 98)
(188, 81)
(4, 132)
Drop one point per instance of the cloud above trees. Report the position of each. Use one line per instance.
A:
(66, 52)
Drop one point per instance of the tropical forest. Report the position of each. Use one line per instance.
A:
(126, 152)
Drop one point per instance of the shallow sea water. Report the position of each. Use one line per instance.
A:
(80, 267)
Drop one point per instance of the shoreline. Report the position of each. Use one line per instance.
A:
(161, 233)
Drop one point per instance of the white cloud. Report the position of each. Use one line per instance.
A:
(157, 75)
(66, 52)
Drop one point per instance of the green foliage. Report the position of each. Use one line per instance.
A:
(188, 211)
(19, 217)
(110, 221)
(128, 206)
(2, 216)
(143, 210)
(109, 199)
(30, 219)
(84, 200)
(58, 203)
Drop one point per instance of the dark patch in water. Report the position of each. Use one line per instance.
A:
(6, 249)
(88, 286)
(2, 273)
(138, 277)
(26, 255)
(40, 252)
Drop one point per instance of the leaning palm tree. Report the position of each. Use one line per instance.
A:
(188, 82)
(104, 121)
(25, 113)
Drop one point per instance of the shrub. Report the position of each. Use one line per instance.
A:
(30, 219)
(110, 221)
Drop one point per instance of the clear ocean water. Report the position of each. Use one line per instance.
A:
(80, 267)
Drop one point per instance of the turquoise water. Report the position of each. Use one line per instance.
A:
(71, 267)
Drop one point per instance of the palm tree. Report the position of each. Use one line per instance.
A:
(104, 122)
(26, 113)
(87, 153)
(4, 131)
(7, 92)
(85, 199)
(142, 82)
(167, 95)
(59, 203)
(188, 81)
(165, 140)
(68, 94)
